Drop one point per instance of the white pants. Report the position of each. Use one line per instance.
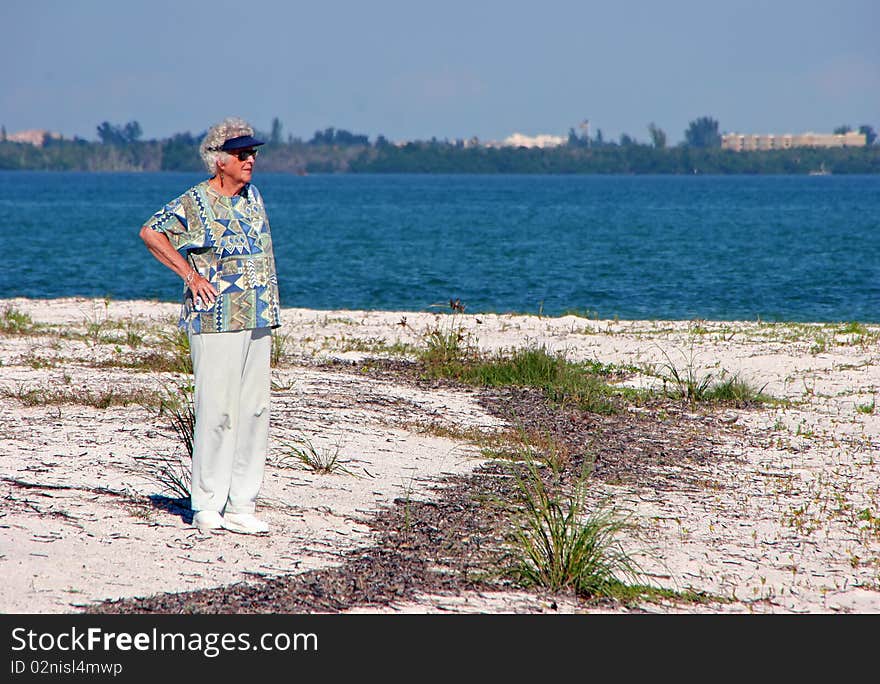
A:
(231, 401)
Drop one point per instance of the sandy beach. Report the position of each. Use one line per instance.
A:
(778, 510)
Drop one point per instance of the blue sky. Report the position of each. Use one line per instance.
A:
(448, 69)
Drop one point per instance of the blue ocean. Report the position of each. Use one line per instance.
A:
(774, 248)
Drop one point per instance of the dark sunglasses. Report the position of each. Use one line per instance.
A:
(242, 155)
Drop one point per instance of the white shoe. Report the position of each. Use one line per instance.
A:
(245, 523)
(206, 521)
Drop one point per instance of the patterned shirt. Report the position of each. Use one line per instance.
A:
(227, 240)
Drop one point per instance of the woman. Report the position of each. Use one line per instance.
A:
(215, 236)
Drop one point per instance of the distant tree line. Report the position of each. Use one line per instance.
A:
(332, 150)
(637, 158)
(109, 134)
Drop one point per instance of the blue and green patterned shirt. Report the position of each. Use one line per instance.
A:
(227, 240)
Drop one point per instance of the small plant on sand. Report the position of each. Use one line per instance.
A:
(686, 382)
(561, 546)
(15, 322)
(733, 388)
(177, 343)
(302, 451)
(564, 382)
(133, 335)
(97, 323)
(693, 385)
(169, 471)
(449, 342)
(867, 409)
(172, 471)
(179, 408)
(279, 346)
(100, 399)
(857, 334)
(37, 361)
(872, 522)
(852, 328)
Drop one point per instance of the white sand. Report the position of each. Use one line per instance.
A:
(786, 521)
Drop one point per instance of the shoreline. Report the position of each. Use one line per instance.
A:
(780, 515)
(444, 309)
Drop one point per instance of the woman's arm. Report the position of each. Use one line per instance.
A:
(160, 247)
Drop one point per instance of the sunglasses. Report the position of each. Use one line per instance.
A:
(242, 155)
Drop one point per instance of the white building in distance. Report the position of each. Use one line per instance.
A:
(520, 140)
(745, 142)
(33, 137)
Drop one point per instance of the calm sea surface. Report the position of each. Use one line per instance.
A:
(790, 248)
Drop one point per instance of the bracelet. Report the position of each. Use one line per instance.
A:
(189, 277)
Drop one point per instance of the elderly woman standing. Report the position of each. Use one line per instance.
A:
(215, 236)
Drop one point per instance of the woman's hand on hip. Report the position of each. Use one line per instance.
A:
(202, 288)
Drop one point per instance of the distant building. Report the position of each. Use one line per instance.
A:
(34, 137)
(744, 142)
(520, 140)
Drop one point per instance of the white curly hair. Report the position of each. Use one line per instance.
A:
(231, 127)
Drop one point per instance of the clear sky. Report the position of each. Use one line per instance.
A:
(409, 69)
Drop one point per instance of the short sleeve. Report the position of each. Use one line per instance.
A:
(173, 222)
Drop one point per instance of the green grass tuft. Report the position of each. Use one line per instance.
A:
(179, 407)
(177, 345)
(100, 399)
(560, 546)
(304, 453)
(15, 322)
(735, 389)
(867, 409)
(564, 382)
(279, 348)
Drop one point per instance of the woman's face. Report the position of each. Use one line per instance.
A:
(239, 165)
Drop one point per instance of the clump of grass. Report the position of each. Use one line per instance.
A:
(153, 362)
(452, 352)
(689, 383)
(377, 345)
(15, 322)
(475, 435)
(101, 399)
(820, 344)
(36, 361)
(97, 323)
(178, 406)
(168, 471)
(127, 332)
(867, 409)
(133, 338)
(853, 328)
(637, 593)
(562, 381)
(686, 382)
(697, 327)
(173, 472)
(733, 388)
(873, 521)
(448, 342)
(279, 347)
(560, 546)
(177, 344)
(302, 451)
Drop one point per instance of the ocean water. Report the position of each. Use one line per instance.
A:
(778, 248)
